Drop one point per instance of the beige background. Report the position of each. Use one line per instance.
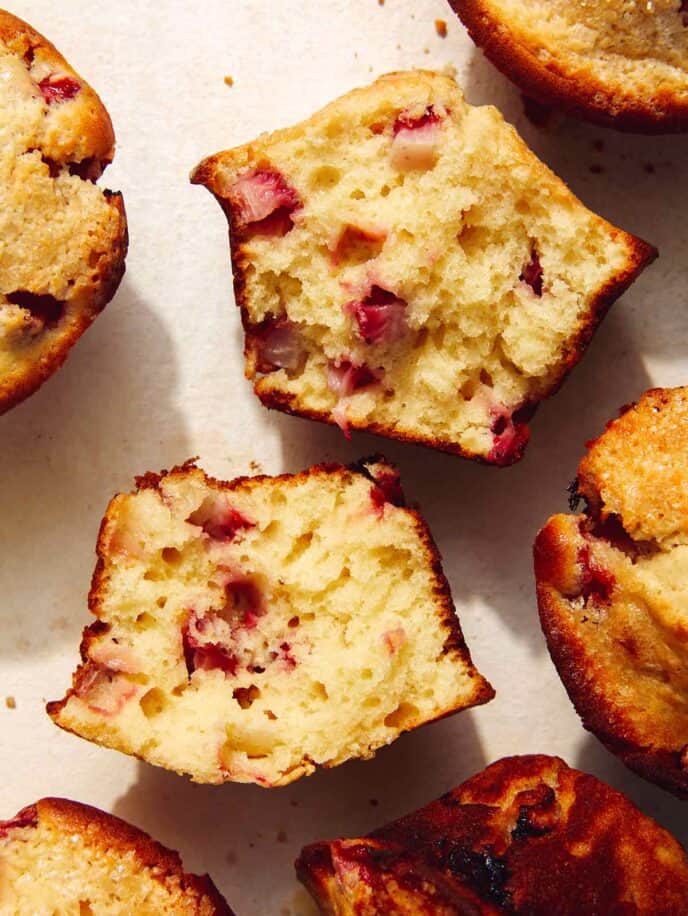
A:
(159, 378)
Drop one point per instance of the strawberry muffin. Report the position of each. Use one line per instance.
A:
(404, 264)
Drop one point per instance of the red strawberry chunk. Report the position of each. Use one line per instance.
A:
(27, 817)
(597, 582)
(262, 200)
(344, 378)
(511, 434)
(532, 273)
(103, 689)
(218, 519)
(58, 88)
(205, 655)
(279, 345)
(387, 490)
(405, 121)
(380, 317)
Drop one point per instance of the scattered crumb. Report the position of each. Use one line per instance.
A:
(596, 168)
(231, 857)
(282, 836)
(251, 845)
(598, 145)
(373, 802)
(380, 2)
(294, 803)
(59, 623)
(649, 168)
(398, 47)
(229, 81)
(256, 467)
(426, 50)
(10, 703)
(441, 27)
(450, 71)
(23, 645)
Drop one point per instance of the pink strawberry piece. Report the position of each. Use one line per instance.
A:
(262, 200)
(597, 583)
(394, 639)
(406, 121)
(218, 519)
(387, 490)
(414, 146)
(344, 377)
(58, 88)
(113, 657)
(205, 656)
(27, 817)
(279, 345)
(103, 690)
(511, 434)
(380, 317)
(532, 273)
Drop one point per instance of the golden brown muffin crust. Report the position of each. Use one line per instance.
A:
(526, 835)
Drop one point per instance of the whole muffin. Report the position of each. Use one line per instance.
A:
(405, 264)
(64, 240)
(612, 585)
(622, 63)
(527, 835)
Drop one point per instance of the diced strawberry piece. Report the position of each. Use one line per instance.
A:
(394, 639)
(262, 200)
(280, 345)
(387, 489)
(406, 121)
(511, 434)
(27, 817)
(104, 690)
(345, 378)
(213, 655)
(415, 140)
(532, 273)
(597, 582)
(113, 657)
(218, 519)
(58, 88)
(205, 655)
(380, 317)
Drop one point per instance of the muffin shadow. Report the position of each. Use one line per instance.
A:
(231, 831)
(66, 451)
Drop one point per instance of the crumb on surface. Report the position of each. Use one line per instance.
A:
(649, 168)
(596, 168)
(373, 802)
(282, 836)
(598, 146)
(441, 27)
(229, 81)
(10, 703)
(231, 857)
(256, 467)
